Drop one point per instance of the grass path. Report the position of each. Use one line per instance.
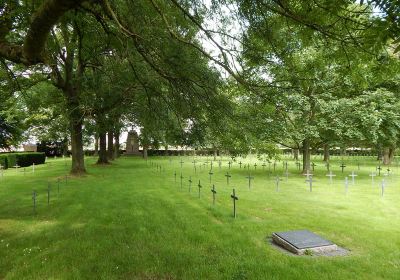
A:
(131, 221)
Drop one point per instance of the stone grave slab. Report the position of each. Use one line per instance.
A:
(301, 241)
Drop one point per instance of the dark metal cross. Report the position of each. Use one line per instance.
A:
(48, 193)
(313, 166)
(298, 165)
(229, 165)
(190, 183)
(240, 165)
(234, 198)
(274, 165)
(342, 166)
(263, 165)
(255, 166)
(219, 164)
(175, 176)
(34, 195)
(199, 186)
(214, 191)
(249, 178)
(383, 186)
(181, 180)
(227, 177)
(210, 174)
(181, 163)
(379, 168)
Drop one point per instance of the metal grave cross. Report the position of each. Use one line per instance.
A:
(219, 164)
(229, 164)
(240, 165)
(372, 175)
(298, 165)
(190, 183)
(227, 177)
(342, 166)
(234, 198)
(214, 191)
(313, 166)
(199, 186)
(181, 180)
(34, 195)
(263, 165)
(352, 175)
(383, 186)
(330, 175)
(286, 175)
(249, 178)
(48, 193)
(175, 176)
(181, 162)
(255, 166)
(327, 166)
(16, 167)
(308, 174)
(210, 174)
(388, 171)
(310, 181)
(274, 165)
(277, 180)
(379, 168)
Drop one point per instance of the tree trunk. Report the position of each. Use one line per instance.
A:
(145, 147)
(296, 154)
(110, 140)
(326, 152)
(75, 122)
(103, 149)
(116, 145)
(96, 145)
(386, 156)
(391, 154)
(306, 156)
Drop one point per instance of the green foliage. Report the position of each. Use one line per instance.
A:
(9, 160)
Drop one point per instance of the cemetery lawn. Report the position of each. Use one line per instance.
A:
(130, 221)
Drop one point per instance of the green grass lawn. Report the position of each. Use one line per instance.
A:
(131, 221)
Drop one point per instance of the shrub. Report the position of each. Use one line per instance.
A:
(9, 160)
(27, 159)
(3, 161)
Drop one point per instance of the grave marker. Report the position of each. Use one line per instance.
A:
(210, 175)
(313, 166)
(255, 166)
(190, 183)
(240, 165)
(277, 180)
(372, 175)
(310, 181)
(383, 187)
(249, 178)
(34, 194)
(342, 166)
(199, 186)
(352, 175)
(214, 192)
(330, 175)
(181, 180)
(227, 178)
(234, 198)
(379, 170)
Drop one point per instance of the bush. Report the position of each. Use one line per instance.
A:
(3, 161)
(27, 159)
(9, 160)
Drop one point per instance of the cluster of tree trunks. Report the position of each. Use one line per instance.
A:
(109, 146)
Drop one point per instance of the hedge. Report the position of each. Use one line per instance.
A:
(9, 160)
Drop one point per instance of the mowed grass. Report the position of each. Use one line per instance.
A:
(130, 220)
